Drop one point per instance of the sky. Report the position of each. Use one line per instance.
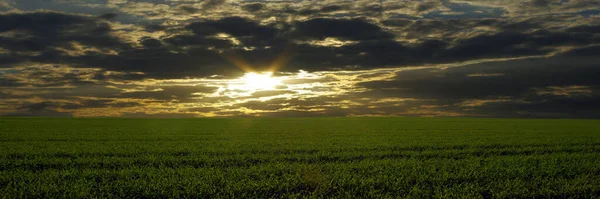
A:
(300, 58)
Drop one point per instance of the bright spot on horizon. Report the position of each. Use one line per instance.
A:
(252, 82)
(257, 81)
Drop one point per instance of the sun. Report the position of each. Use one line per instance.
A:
(259, 81)
(251, 83)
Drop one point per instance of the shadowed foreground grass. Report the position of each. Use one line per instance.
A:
(300, 157)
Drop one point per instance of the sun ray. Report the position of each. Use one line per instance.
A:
(281, 60)
(278, 62)
(238, 62)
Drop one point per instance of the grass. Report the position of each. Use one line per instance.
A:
(299, 158)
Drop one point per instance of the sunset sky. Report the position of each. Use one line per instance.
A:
(287, 58)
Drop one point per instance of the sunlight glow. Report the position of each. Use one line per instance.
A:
(256, 81)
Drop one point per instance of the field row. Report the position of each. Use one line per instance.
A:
(241, 159)
(556, 175)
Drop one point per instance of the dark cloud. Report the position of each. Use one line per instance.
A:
(7, 60)
(41, 31)
(180, 93)
(505, 44)
(513, 44)
(236, 26)
(154, 27)
(36, 107)
(7, 82)
(585, 29)
(333, 8)
(294, 113)
(99, 104)
(516, 81)
(515, 78)
(426, 6)
(375, 10)
(351, 29)
(154, 62)
(560, 107)
(540, 2)
(585, 52)
(453, 29)
(151, 43)
(40, 22)
(196, 41)
(212, 4)
(41, 109)
(546, 3)
(49, 78)
(202, 109)
(258, 105)
(118, 77)
(108, 16)
(157, 115)
(253, 7)
(271, 93)
(189, 9)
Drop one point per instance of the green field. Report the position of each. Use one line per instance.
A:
(299, 157)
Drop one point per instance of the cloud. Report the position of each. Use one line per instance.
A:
(42, 109)
(188, 8)
(267, 93)
(525, 86)
(564, 90)
(540, 3)
(4, 5)
(99, 104)
(174, 58)
(427, 6)
(108, 16)
(533, 7)
(211, 4)
(352, 29)
(235, 26)
(519, 77)
(253, 7)
(217, 46)
(180, 93)
(49, 31)
(6, 82)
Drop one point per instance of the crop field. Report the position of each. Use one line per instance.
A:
(299, 158)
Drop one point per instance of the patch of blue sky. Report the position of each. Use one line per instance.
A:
(589, 13)
(8, 71)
